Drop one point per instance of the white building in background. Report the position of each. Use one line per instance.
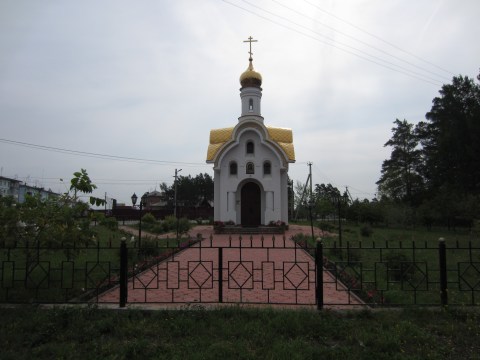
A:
(9, 187)
(250, 162)
(19, 190)
(44, 194)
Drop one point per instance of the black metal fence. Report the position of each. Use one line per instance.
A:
(238, 271)
(407, 273)
(273, 271)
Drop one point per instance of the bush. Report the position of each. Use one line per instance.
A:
(157, 229)
(148, 248)
(110, 223)
(302, 239)
(325, 226)
(366, 231)
(148, 218)
(170, 225)
(183, 225)
(398, 272)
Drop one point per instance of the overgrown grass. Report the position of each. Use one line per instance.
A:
(233, 333)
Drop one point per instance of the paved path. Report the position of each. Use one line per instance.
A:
(255, 270)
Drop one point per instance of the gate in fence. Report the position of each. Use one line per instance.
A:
(212, 273)
(249, 270)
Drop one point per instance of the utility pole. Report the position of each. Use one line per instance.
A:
(310, 201)
(310, 176)
(175, 196)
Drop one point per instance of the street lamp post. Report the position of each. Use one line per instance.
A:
(175, 199)
(338, 199)
(142, 203)
(311, 203)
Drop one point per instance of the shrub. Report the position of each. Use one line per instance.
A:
(325, 226)
(148, 249)
(110, 223)
(148, 218)
(184, 225)
(366, 231)
(169, 224)
(157, 229)
(302, 239)
(398, 272)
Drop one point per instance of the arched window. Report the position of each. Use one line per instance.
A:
(233, 168)
(250, 105)
(250, 147)
(250, 168)
(267, 168)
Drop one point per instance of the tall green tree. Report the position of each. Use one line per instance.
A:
(400, 178)
(191, 191)
(451, 138)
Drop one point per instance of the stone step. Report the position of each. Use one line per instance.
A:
(260, 230)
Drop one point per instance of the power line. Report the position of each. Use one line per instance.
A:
(377, 37)
(335, 43)
(98, 155)
(407, 72)
(360, 41)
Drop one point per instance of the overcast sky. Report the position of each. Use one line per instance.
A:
(148, 79)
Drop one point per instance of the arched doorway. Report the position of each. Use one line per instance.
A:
(251, 205)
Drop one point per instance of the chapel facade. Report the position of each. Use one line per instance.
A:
(250, 162)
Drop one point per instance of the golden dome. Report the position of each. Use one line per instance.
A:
(250, 78)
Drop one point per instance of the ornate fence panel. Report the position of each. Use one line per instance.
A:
(252, 270)
(406, 273)
(236, 271)
(53, 274)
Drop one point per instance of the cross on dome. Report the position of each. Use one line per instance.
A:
(250, 40)
(250, 77)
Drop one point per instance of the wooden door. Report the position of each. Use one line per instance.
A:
(251, 205)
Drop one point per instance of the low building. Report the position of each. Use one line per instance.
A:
(24, 190)
(9, 187)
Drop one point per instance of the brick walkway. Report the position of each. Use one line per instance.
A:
(255, 270)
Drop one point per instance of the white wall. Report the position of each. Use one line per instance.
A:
(274, 199)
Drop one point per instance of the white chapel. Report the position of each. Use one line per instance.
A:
(250, 162)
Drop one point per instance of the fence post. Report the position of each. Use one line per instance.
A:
(220, 275)
(319, 274)
(123, 272)
(442, 252)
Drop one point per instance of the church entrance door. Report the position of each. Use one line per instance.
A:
(251, 204)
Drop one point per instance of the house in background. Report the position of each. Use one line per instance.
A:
(18, 190)
(9, 187)
(24, 190)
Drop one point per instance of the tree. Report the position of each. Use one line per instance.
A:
(51, 221)
(191, 191)
(400, 179)
(451, 139)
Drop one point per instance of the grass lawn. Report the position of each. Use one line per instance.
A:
(233, 333)
(75, 273)
(401, 266)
